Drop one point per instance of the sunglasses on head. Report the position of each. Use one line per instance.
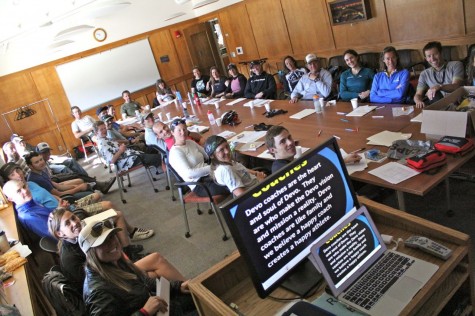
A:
(98, 228)
(178, 122)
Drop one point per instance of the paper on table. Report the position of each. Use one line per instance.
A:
(353, 167)
(247, 136)
(362, 110)
(236, 101)
(405, 110)
(253, 146)
(302, 114)
(386, 138)
(444, 123)
(198, 128)
(23, 250)
(418, 118)
(227, 134)
(258, 102)
(394, 172)
(211, 101)
(266, 155)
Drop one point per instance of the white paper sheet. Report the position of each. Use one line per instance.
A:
(418, 118)
(236, 101)
(210, 101)
(405, 110)
(353, 167)
(302, 114)
(227, 134)
(444, 123)
(248, 137)
(163, 290)
(386, 138)
(258, 103)
(394, 172)
(362, 110)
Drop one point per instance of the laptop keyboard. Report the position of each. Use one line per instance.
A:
(369, 288)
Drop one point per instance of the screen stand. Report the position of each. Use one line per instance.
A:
(303, 278)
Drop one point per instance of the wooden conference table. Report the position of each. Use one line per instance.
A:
(331, 123)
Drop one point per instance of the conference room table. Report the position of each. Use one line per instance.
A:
(314, 129)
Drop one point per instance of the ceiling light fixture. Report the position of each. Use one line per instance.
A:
(201, 3)
(60, 44)
(176, 15)
(71, 31)
(181, 1)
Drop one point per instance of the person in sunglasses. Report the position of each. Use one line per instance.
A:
(115, 286)
(190, 161)
(227, 172)
(65, 226)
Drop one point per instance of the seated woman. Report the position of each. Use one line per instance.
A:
(217, 84)
(115, 286)
(164, 94)
(65, 226)
(356, 81)
(471, 69)
(227, 172)
(237, 83)
(293, 75)
(199, 84)
(391, 83)
(189, 161)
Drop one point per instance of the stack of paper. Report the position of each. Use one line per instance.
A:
(227, 134)
(258, 103)
(362, 110)
(300, 115)
(198, 128)
(386, 138)
(236, 101)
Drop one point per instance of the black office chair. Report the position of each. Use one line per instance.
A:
(370, 60)
(188, 196)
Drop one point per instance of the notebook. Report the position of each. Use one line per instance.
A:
(353, 252)
(163, 290)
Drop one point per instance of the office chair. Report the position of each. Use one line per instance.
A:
(87, 142)
(370, 60)
(188, 196)
(120, 176)
(164, 155)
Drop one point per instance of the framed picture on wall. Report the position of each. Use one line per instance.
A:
(349, 11)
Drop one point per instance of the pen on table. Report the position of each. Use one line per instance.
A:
(380, 107)
(351, 130)
(249, 126)
(336, 137)
(343, 120)
(377, 116)
(341, 113)
(358, 150)
(319, 133)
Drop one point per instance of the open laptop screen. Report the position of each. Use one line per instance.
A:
(275, 223)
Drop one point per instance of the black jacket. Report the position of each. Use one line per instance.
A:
(262, 83)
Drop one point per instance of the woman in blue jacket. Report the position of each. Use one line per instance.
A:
(391, 83)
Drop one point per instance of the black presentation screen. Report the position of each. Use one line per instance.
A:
(275, 223)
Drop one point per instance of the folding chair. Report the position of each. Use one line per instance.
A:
(188, 196)
(87, 142)
(164, 155)
(120, 174)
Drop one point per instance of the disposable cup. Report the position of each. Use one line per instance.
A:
(169, 116)
(354, 103)
(160, 116)
(322, 102)
(267, 105)
(219, 121)
(216, 105)
(298, 151)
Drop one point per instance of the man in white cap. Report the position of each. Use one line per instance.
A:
(260, 85)
(317, 81)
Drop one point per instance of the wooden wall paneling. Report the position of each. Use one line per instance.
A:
(424, 20)
(362, 34)
(269, 28)
(308, 25)
(181, 48)
(469, 13)
(17, 90)
(237, 32)
(162, 45)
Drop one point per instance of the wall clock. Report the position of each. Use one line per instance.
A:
(100, 34)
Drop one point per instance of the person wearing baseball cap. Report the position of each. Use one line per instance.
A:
(227, 172)
(237, 83)
(101, 111)
(21, 145)
(261, 85)
(317, 82)
(115, 286)
(134, 142)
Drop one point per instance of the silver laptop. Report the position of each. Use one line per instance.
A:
(362, 273)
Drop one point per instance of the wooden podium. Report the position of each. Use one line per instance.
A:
(229, 281)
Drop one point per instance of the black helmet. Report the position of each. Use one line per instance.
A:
(231, 118)
(212, 143)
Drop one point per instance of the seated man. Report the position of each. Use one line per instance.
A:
(113, 134)
(81, 126)
(128, 131)
(165, 138)
(12, 154)
(39, 174)
(118, 154)
(69, 169)
(101, 111)
(438, 80)
(260, 85)
(129, 107)
(281, 145)
(199, 83)
(34, 216)
(317, 82)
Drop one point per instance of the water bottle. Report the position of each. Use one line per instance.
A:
(178, 97)
(316, 103)
(211, 119)
(190, 98)
(197, 99)
(185, 110)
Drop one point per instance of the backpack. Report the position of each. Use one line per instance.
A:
(454, 145)
(427, 162)
(65, 299)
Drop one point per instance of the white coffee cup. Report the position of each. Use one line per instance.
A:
(216, 105)
(175, 101)
(147, 107)
(251, 104)
(160, 116)
(322, 102)
(267, 105)
(354, 103)
(219, 121)
(298, 151)
(169, 116)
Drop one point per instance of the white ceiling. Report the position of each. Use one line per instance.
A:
(28, 27)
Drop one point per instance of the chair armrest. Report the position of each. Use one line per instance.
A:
(187, 184)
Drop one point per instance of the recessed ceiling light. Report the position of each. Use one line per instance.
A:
(173, 16)
(198, 4)
(71, 31)
(181, 1)
(60, 43)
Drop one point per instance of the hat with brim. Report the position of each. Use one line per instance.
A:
(310, 57)
(42, 147)
(232, 66)
(212, 143)
(255, 62)
(87, 240)
(7, 169)
(101, 109)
